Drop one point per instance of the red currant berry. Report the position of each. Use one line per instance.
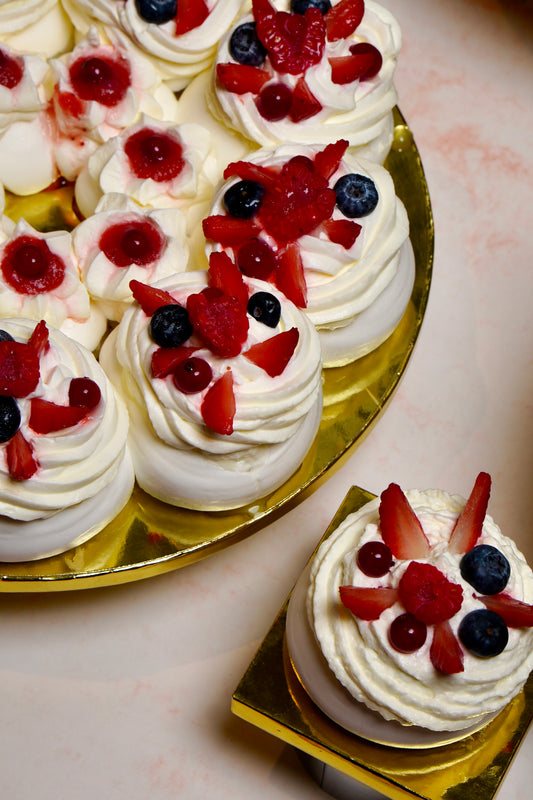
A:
(83, 393)
(256, 259)
(10, 71)
(192, 375)
(274, 101)
(374, 559)
(407, 633)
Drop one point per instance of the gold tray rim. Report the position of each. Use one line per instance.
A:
(270, 696)
(60, 573)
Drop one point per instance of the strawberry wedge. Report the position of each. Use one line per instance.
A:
(218, 407)
(274, 354)
(400, 527)
(469, 524)
(21, 462)
(150, 298)
(514, 613)
(226, 276)
(367, 603)
(445, 652)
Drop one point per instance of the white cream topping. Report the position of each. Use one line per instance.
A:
(109, 170)
(177, 58)
(406, 687)
(78, 136)
(35, 26)
(270, 412)
(359, 111)
(67, 306)
(75, 463)
(343, 285)
(107, 283)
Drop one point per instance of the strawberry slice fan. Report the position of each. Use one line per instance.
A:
(429, 598)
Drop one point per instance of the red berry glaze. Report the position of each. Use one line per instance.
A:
(407, 634)
(138, 242)
(11, 70)
(154, 154)
(84, 393)
(192, 375)
(428, 595)
(101, 79)
(374, 559)
(29, 266)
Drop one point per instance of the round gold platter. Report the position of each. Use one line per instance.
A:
(149, 537)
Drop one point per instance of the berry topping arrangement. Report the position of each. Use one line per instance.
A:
(430, 599)
(270, 208)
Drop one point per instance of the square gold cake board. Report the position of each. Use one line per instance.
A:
(270, 697)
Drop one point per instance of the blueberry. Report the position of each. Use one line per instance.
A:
(5, 336)
(9, 418)
(486, 569)
(357, 195)
(301, 6)
(157, 11)
(245, 47)
(170, 326)
(483, 632)
(265, 308)
(243, 199)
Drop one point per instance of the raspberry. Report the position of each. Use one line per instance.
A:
(294, 41)
(343, 18)
(19, 369)
(299, 202)
(219, 321)
(428, 595)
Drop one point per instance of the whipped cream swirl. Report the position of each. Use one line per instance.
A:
(406, 687)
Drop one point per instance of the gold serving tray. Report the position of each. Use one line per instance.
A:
(149, 537)
(271, 697)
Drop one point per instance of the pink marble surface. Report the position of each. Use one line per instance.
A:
(125, 692)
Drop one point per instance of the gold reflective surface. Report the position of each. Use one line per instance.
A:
(270, 697)
(149, 537)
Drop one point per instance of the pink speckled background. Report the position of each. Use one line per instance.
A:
(125, 692)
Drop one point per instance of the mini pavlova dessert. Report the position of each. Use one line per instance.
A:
(221, 376)
(179, 37)
(329, 231)
(39, 279)
(122, 242)
(309, 73)
(423, 610)
(65, 469)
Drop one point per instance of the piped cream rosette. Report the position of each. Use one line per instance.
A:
(177, 457)
(35, 26)
(359, 111)
(143, 243)
(84, 474)
(405, 686)
(356, 296)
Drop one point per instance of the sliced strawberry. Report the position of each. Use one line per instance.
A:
(189, 15)
(469, 524)
(241, 78)
(400, 527)
(289, 275)
(229, 231)
(38, 341)
(19, 369)
(219, 321)
(274, 354)
(515, 613)
(428, 595)
(327, 161)
(226, 276)
(445, 652)
(343, 18)
(294, 41)
(367, 603)
(342, 231)
(218, 407)
(304, 103)
(150, 298)
(47, 417)
(245, 170)
(166, 359)
(21, 462)
(363, 63)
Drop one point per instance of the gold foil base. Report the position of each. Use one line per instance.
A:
(271, 697)
(149, 537)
